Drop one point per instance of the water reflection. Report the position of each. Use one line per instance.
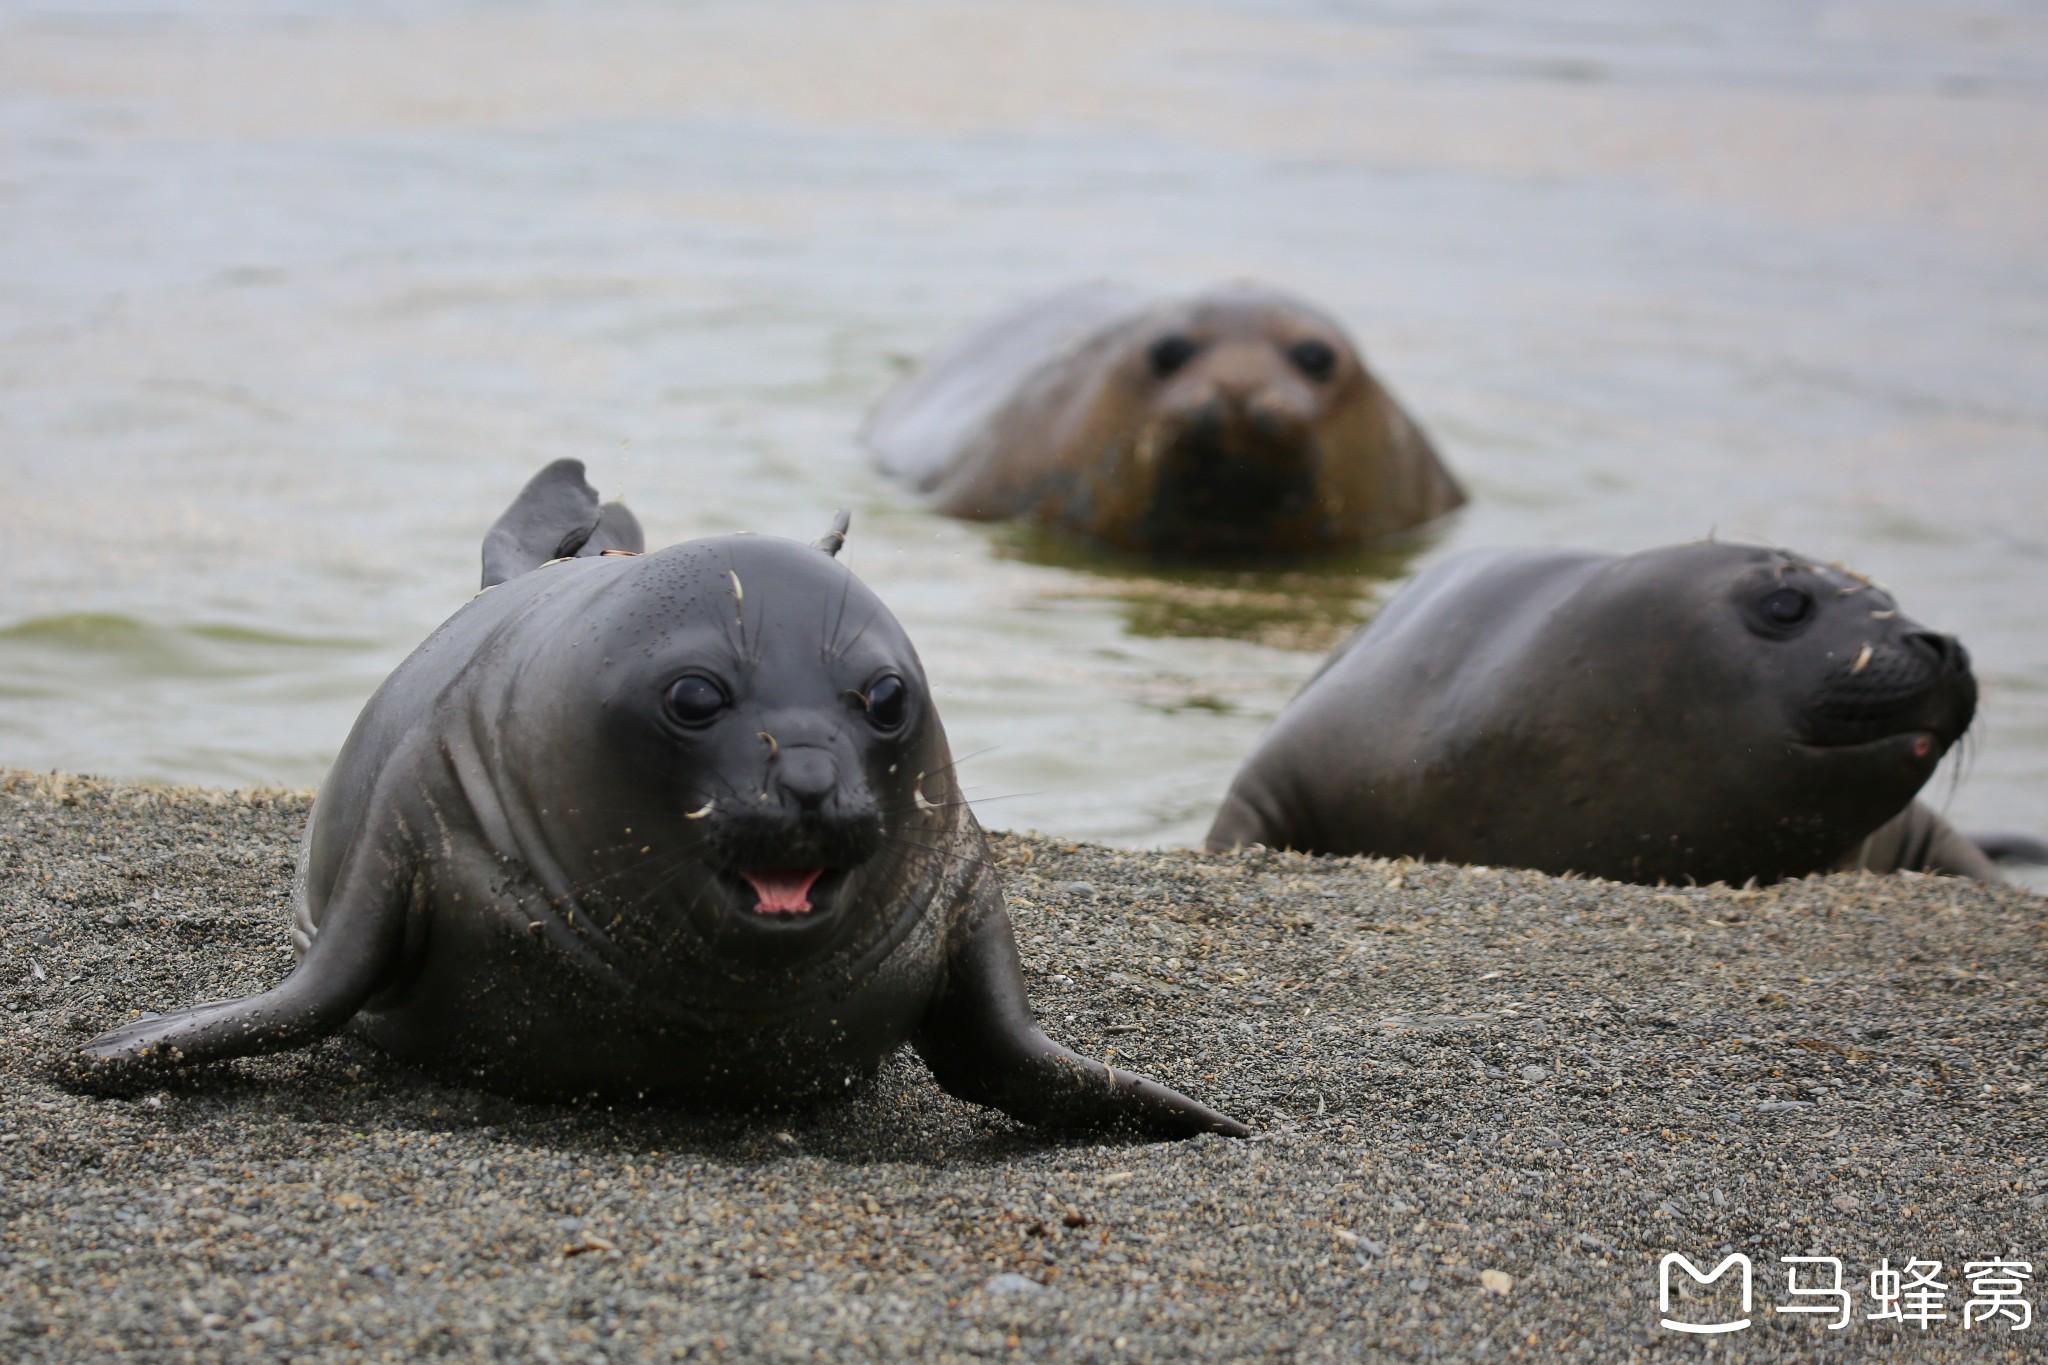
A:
(1303, 607)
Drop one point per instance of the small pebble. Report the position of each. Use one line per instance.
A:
(1012, 1283)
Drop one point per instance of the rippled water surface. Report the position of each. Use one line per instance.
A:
(293, 298)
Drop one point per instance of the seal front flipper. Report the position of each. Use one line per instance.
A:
(556, 516)
(350, 957)
(984, 1047)
(1918, 840)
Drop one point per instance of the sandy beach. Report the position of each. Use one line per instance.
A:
(1487, 1103)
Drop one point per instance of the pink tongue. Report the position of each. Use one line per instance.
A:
(782, 888)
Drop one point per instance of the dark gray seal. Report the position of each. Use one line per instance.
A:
(1704, 712)
(679, 825)
(1241, 422)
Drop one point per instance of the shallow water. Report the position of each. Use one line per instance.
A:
(293, 298)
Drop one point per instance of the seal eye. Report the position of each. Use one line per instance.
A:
(888, 702)
(694, 699)
(1169, 353)
(1786, 607)
(1316, 359)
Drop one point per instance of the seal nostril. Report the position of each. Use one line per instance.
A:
(1946, 650)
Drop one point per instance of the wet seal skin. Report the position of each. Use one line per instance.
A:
(1237, 424)
(681, 825)
(1704, 712)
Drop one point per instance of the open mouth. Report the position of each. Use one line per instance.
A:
(1921, 744)
(787, 892)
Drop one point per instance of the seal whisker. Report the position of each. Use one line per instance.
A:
(963, 801)
(964, 757)
(827, 648)
(1965, 754)
(577, 890)
(841, 648)
(972, 859)
(680, 856)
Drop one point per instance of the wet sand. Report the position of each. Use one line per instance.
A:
(1486, 1103)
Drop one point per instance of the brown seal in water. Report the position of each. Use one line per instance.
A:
(680, 824)
(1240, 423)
(1705, 712)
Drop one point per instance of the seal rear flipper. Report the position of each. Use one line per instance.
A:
(347, 961)
(617, 529)
(1240, 823)
(983, 1046)
(554, 517)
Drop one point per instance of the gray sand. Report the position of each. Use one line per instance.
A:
(1452, 1072)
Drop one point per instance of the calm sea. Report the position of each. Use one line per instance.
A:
(294, 296)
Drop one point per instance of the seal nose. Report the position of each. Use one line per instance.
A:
(806, 775)
(1946, 650)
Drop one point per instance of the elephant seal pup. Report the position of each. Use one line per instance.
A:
(1238, 423)
(679, 825)
(1705, 712)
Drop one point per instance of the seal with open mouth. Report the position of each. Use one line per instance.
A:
(1238, 424)
(678, 825)
(1704, 712)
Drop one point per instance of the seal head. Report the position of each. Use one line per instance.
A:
(1241, 423)
(1710, 712)
(1230, 459)
(748, 713)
